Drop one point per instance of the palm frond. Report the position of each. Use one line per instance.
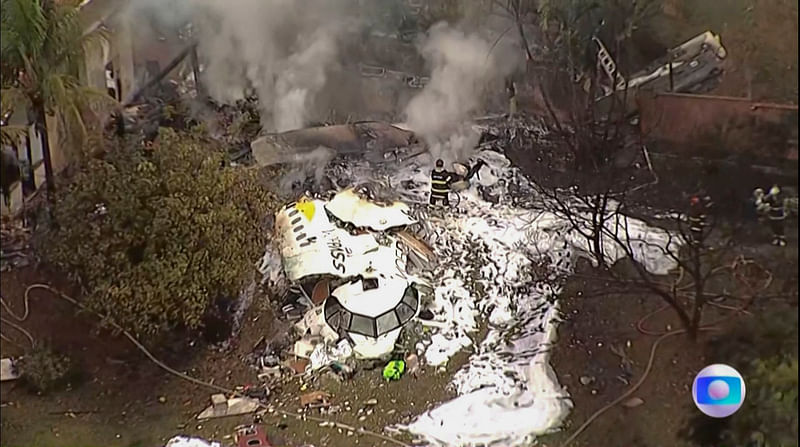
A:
(11, 134)
(45, 42)
(12, 99)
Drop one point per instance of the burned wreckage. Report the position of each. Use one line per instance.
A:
(348, 261)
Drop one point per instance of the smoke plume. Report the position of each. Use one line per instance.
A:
(281, 49)
(464, 66)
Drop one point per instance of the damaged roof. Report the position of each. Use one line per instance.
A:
(358, 137)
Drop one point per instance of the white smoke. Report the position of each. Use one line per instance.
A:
(463, 67)
(282, 49)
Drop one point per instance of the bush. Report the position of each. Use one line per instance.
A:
(769, 415)
(44, 369)
(156, 235)
(764, 350)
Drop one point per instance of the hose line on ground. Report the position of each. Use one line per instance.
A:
(664, 335)
(162, 365)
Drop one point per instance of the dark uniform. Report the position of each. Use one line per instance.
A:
(776, 215)
(511, 89)
(698, 218)
(440, 184)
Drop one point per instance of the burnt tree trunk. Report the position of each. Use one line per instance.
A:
(699, 294)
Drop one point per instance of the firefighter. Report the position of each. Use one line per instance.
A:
(776, 213)
(511, 89)
(698, 218)
(758, 201)
(440, 184)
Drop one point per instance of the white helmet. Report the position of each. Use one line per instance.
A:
(774, 191)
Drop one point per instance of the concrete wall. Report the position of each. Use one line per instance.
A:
(36, 161)
(119, 51)
(719, 124)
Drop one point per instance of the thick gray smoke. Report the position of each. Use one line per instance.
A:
(282, 49)
(464, 66)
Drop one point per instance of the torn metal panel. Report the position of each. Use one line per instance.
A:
(417, 246)
(357, 209)
(220, 407)
(311, 244)
(7, 370)
(355, 138)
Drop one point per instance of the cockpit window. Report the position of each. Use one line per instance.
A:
(387, 322)
(339, 318)
(363, 325)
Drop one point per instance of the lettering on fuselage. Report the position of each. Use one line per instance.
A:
(338, 251)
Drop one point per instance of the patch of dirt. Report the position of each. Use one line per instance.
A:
(126, 400)
(595, 375)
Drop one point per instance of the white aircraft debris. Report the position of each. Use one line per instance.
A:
(359, 207)
(7, 370)
(185, 441)
(354, 282)
(222, 407)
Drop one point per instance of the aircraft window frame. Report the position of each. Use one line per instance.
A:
(340, 318)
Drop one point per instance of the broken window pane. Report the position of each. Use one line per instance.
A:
(363, 325)
(411, 298)
(404, 312)
(345, 319)
(387, 322)
(334, 314)
(334, 321)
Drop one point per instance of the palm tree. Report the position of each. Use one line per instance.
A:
(42, 44)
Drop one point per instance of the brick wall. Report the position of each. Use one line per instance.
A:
(720, 125)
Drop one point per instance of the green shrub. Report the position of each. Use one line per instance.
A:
(156, 235)
(44, 369)
(769, 415)
(764, 349)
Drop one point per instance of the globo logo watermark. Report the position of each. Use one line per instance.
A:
(718, 390)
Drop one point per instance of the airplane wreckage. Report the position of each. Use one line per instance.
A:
(347, 259)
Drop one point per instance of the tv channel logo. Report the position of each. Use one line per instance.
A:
(718, 390)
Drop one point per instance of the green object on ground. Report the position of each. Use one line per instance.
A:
(394, 370)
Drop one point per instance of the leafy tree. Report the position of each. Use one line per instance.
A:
(156, 235)
(42, 53)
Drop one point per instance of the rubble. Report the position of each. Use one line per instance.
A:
(251, 436)
(324, 355)
(223, 407)
(480, 274)
(8, 370)
(315, 399)
(299, 366)
(364, 137)
(349, 272)
(14, 246)
(185, 441)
